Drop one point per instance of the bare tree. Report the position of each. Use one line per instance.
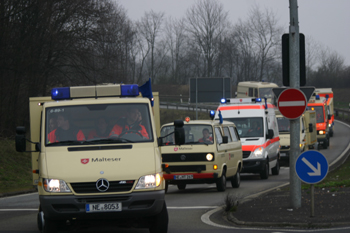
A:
(206, 24)
(150, 27)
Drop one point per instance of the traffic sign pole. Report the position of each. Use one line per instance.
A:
(295, 183)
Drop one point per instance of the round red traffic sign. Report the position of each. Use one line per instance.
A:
(292, 103)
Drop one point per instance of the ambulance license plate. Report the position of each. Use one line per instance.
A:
(183, 177)
(283, 154)
(103, 207)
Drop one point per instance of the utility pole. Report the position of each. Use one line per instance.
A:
(294, 50)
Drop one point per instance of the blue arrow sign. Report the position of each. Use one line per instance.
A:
(311, 167)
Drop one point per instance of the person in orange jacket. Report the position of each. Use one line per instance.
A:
(130, 124)
(206, 136)
(64, 131)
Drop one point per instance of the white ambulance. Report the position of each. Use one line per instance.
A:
(258, 129)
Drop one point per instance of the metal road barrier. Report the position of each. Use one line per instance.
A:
(342, 114)
(188, 107)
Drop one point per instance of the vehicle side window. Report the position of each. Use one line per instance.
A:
(251, 91)
(227, 133)
(233, 133)
(218, 135)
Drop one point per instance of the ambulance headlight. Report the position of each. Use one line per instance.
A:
(329, 125)
(149, 181)
(321, 132)
(209, 157)
(56, 186)
(258, 153)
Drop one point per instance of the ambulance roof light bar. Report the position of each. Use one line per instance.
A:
(241, 100)
(63, 93)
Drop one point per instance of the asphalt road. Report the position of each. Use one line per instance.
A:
(191, 210)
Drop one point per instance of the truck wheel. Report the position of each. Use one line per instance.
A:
(181, 186)
(160, 224)
(50, 226)
(264, 174)
(325, 144)
(221, 183)
(276, 170)
(236, 180)
(166, 187)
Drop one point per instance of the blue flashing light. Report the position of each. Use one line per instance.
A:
(327, 97)
(257, 100)
(220, 117)
(60, 93)
(212, 114)
(223, 100)
(317, 97)
(129, 90)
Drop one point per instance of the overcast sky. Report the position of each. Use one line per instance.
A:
(326, 21)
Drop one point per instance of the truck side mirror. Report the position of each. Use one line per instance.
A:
(20, 139)
(224, 139)
(311, 129)
(179, 132)
(270, 134)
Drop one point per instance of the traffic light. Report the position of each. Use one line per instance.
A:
(285, 59)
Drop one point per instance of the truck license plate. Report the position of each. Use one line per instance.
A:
(183, 177)
(103, 207)
(283, 154)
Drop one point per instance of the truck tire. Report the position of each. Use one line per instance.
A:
(181, 186)
(264, 174)
(160, 224)
(276, 170)
(221, 182)
(50, 226)
(236, 180)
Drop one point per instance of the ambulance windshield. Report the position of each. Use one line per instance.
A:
(97, 124)
(319, 114)
(249, 127)
(283, 125)
(266, 92)
(194, 134)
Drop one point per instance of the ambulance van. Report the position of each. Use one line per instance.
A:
(256, 89)
(319, 105)
(211, 153)
(94, 166)
(327, 93)
(307, 134)
(257, 127)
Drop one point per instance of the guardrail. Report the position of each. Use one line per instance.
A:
(188, 107)
(342, 114)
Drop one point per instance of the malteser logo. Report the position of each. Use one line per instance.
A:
(176, 148)
(84, 161)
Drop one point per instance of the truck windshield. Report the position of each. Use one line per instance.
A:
(97, 124)
(248, 127)
(194, 134)
(283, 125)
(266, 92)
(319, 114)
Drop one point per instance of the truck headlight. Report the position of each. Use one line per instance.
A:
(258, 153)
(56, 186)
(209, 157)
(149, 181)
(321, 132)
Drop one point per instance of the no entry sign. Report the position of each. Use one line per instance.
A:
(292, 103)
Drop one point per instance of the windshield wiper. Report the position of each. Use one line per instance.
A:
(107, 140)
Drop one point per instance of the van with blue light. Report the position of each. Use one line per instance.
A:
(211, 152)
(258, 129)
(319, 105)
(96, 165)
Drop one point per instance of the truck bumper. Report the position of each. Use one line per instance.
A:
(134, 205)
(197, 178)
(253, 165)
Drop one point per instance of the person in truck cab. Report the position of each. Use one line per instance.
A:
(130, 124)
(101, 130)
(64, 131)
(52, 124)
(255, 129)
(206, 136)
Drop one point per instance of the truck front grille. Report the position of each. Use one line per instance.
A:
(189, 168)
(114, 186)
